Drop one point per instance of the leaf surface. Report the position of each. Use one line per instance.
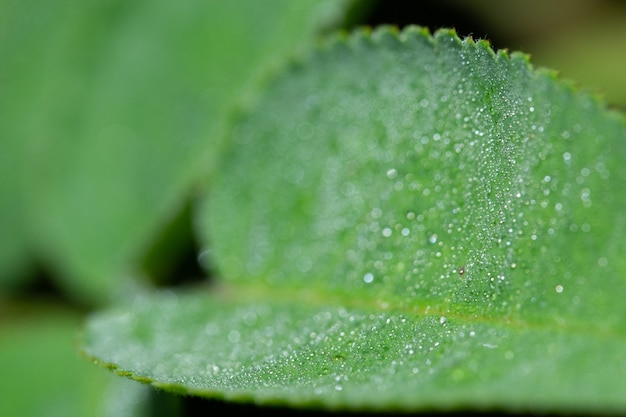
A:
(404, 222)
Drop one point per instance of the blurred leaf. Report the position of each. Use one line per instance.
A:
(115, 109)
(42, 375)
(14, 259)
(404, 223)
(584, 39)
(582, 56)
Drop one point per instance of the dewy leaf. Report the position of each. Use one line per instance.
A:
(405, 222)
(114, 111)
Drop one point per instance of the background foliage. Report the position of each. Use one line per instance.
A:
(112, 113)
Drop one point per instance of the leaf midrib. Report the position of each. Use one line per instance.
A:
(251, 293)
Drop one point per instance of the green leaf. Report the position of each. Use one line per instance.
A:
(14, 257)
(42, 375)
(118, 109)
(405, 222)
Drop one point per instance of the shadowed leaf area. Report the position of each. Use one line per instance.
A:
(403, 222)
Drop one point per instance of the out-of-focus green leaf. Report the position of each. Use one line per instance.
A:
(113, 109)
(42, 374)
(404, 222)
(14, 257)
(584, 39)
(582, 56)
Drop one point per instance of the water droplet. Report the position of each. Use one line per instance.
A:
(585, 196)
(433, 238)
(214, 369)
(368, 278)
(249, 319)
(559, 289)
(567, 157)
(387, 232)
(204, 258)
(443, 321)
(392, 173)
